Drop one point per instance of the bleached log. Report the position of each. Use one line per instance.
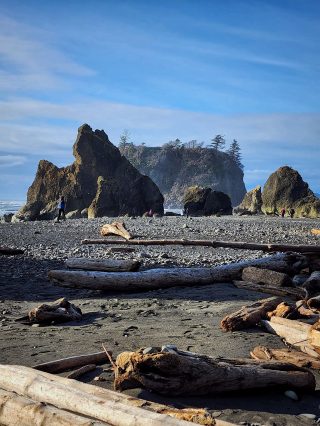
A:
(65, 364)
(292, 356)
(21, 411)
(108, 265)
(175, 374)
(249, 315)
(296, 293)
(116, 228)
(165, 277)
(10, 251)
(88, 400)
(306, 337)
(270, 247)
(59, 311)
(263, 276)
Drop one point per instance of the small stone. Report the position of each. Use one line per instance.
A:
(292, 395)
(35, 325)
(308, 416)
(150, 350)
(169, 348)
(164, 256)
(99, 379)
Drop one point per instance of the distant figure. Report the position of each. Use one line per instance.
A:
(186, 212)
(292, 212)
(61, 208)
(283, 212)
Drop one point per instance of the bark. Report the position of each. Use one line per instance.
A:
(65, 364)
(283, 310)
(82, 370)
(10, 251)
(295, 293)
(262, 276)
(21, 411)
(116, 228)
(296, 333)
(286, 355)
(312, 285)
(176, 374)
(59, 311)
(88, 400)
(250, 315)
(298, 248)
(108, 265)
(162, 278)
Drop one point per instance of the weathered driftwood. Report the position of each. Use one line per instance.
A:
(65, 364)
(272, 247)
(312, 285)
(92, 401)
(283, 310)
(108, 265)
(116, 228)
(304, 311)
(296, 333)
(10, 251)
(315, 231)
(17, 410)
(256, 275)
(314, 303)
(82, 370)
(296, 293)
(297, 358)
(249, 315)
(59, 311)
(161, 278)
(176, 374)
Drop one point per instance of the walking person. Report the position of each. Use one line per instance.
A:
(283, 212)
(61, 209)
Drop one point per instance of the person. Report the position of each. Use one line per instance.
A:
(283, 212)
(292, 212)
(61, 209)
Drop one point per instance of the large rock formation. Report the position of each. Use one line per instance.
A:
(100, 180)
(174, 169)
(286, 189)
(200, 201)
(251, 203)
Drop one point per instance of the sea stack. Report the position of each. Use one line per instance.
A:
(100, 182)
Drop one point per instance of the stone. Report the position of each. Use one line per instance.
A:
(251, 203)
(100, 180)
(6, 218)
(292, 395)
(286, 189)
(200, 201)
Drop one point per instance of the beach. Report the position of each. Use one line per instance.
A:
(188, 317)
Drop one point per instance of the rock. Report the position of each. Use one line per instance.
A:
(292, 395)
(100, 180)
(286, 189)
(251, 203)
(6, 218)
(200, 201)
(150, 350)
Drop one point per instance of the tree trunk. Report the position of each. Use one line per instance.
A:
(21, 411)
(298, 248)
(262, 276)
(175, 374)
(116, 228)
(162, 278)
(296, 293)
(107, 265)
(65, 364)
(286, 355)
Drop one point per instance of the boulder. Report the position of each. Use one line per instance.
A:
(6, 218)
(100, 180)
(200, 201)
(251, 203)
(285, 188)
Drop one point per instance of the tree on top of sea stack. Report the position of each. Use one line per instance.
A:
(100, 180)
(285, 188)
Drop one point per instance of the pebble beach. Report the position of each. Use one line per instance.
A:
(187, 317)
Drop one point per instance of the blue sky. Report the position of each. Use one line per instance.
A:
(247, 69)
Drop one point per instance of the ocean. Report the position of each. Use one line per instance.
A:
(8, 206)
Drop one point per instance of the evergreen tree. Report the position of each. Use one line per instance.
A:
(124, 138)
(234, 152)
(218, 142)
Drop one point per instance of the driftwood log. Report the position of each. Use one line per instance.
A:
(283, 310)
(192, 374)
(82, 370)
(17, 410)
(295, 293)
(98, 403)
(272, 247)
(65, 364)
(312, 285)
(249, 315)
(306, 337)
(10, 251)
(314, 303)
(286, 355)
(116, 228)
(256, 275)
(162, 277)
(59, 311)
(107, 265)
(315, 231)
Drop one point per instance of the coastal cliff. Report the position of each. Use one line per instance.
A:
(175, 169)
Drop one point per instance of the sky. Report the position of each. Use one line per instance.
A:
(187, 69)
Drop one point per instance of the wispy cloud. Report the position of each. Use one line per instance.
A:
(11, 160)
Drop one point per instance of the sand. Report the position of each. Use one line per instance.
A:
(186, 317)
